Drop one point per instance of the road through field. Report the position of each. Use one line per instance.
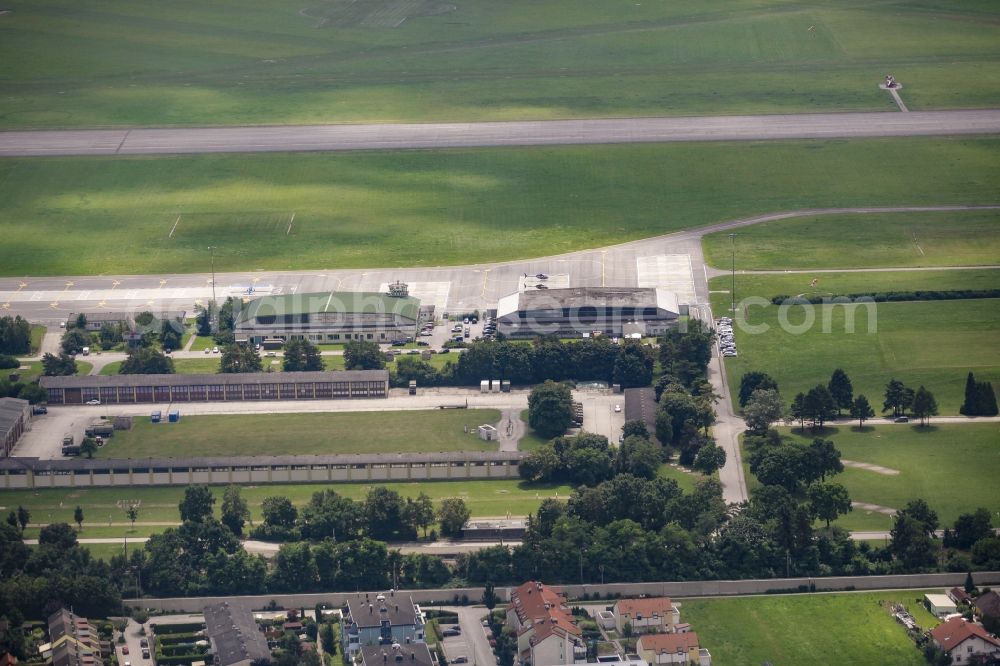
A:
(304, 138)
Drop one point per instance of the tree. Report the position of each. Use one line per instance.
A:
(385, 514)
(798, 410)
(969, 405)
(664, 426)
(74, 340)
(710, 458)
(33, 393)
(78, 516)
(924, 405)
(753, 381)
(132, 513)
(363, 355)
(146, 361)
(970, 528)
(861, 410)
(970, 584)
(639, 457)
(279, 511)
(302, 356)
(58, 366)
(822, 458)
(452, 515)
(110, 335)
(635, 427)
(23, 516)
(897, 398)
(197, 504)
(841, 390)
(88, 447)
(421, 511)
(489, 596)
(59, 535)
(203, 320)
(633, 365)
(170, 336)
(235, 510)
(819, 405)
(828, 500)
(911, 544)
(550, 409)
(239, 358)
(15, 335)
(763, 408)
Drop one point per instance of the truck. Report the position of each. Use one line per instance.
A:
(413, 387)
(100, 428)
(156, 416)
(85, 351)
(69, 445)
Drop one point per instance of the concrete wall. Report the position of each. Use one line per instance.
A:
(667, 589)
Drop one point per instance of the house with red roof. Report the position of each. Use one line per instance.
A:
(649, 615)
(962, 640)
(547, 634)
(672, 649)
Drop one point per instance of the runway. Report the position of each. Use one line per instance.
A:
(304, 138)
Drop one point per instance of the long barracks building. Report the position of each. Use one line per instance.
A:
(132, 389)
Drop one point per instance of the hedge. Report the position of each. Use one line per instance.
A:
(179, 659)
(892, 296)
(190, 627)
(176, 639)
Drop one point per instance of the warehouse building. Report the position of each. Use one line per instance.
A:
(15, 415)
(326, 317)
(130, 389)
(584, 311)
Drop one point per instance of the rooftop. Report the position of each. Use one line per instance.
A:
(369, 610)
(647, 607)
(668, 642)
(410, 654)
(228, 379)
(989, 603)
(543, 609)
(597, 297)
(234, 634)
(957, 630)
(11, 410)
(343, 302)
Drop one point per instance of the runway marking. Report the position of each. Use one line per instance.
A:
(174, 228)
(22, 285)
(37, 296)
(486, 277)
(669, 271)
(604, 255)
(5, 306)
(289, 230)
(83, 296)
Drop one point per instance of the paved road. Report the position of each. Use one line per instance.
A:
(301, 138)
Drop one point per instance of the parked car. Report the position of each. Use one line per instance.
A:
(461, 659)
(124, 649)
(423, 343)
(145, 653)
(40, 409)
(215, 350)
(426, 333)
(902, 419)
(95, 401)
(618, 408)
(207, 350)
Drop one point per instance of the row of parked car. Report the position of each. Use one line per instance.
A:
(727, 341)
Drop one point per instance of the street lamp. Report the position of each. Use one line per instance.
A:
(211, 249)
(732, 293)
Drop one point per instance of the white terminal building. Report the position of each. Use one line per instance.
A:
(331, 316)
(583, 311)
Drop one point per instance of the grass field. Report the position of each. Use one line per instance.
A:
(120, 63)
(34, 370)
(183, 366)
(934, 343)
(484, 498)
(929, 461)
(882, 240)
(37, 333)
(850, 629)
(427, 208)
(302, 434)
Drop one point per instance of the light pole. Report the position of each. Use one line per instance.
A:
(211, 249)
(732, 293)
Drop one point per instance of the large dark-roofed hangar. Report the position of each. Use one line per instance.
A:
(131, 389)
(331, 316)
(581, 311)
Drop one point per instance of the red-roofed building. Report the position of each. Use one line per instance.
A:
(961, 640)
(672, 649)
(959, 595)
(650, 615)
(546, 632)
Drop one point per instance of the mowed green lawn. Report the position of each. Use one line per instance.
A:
(426, 208)
(32, 370)
(159, 504)
(302, 434)
(121, 63)
(934, 343)
(852, 629)
(182, 366)
(884, 240)
(954, 467)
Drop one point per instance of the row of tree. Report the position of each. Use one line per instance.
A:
(15, 336)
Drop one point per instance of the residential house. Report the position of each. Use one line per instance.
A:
(650, 615)
(73, 641)
(962, 640)
(381, 620)
(959, 595)
(672, 649)
(546, 632)
(7, 659)
(396, 654)
(989, 604)
(234, 635)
